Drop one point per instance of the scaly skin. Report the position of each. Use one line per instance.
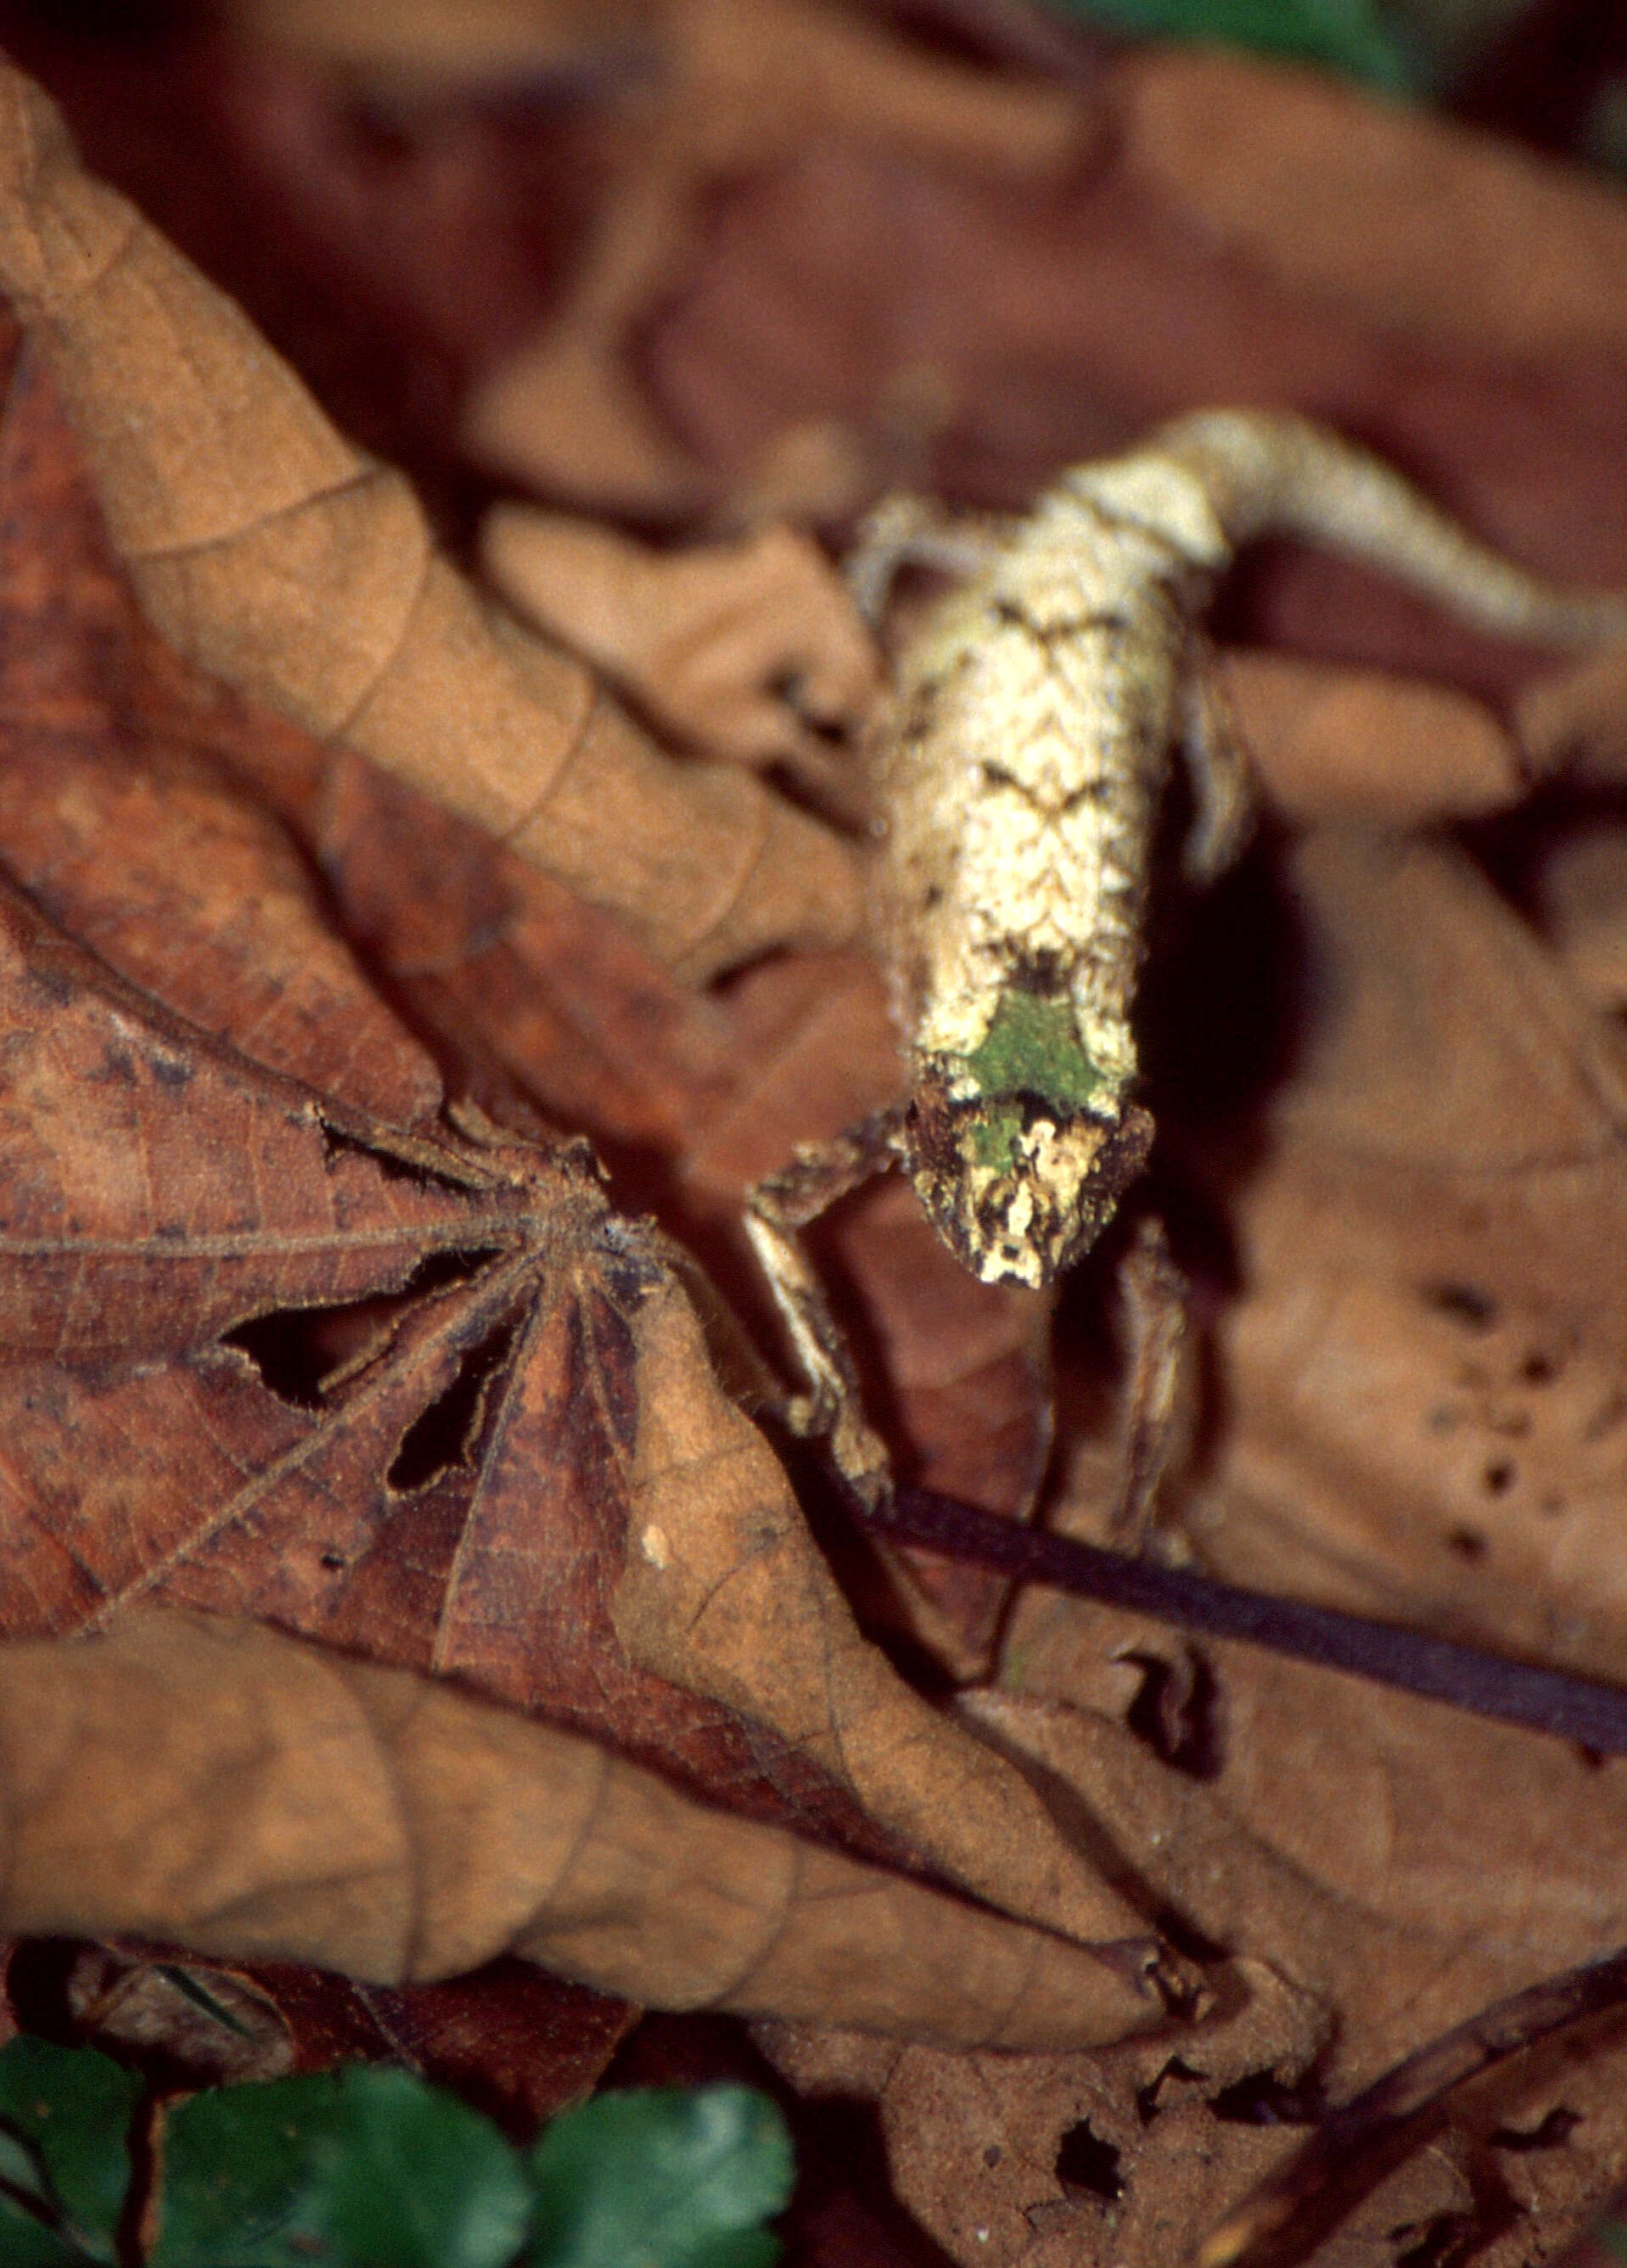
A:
(1019, 766)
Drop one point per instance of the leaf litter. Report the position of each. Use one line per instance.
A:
(1407, 1222)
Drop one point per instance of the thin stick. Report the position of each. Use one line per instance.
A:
(1579, 1709)
(1404, 2093)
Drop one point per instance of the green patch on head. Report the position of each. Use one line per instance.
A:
(994, 1133)
(1033, 1047)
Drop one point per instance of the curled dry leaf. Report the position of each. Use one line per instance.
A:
(216, 2024)
(274, 553)
(219, 1783)
(750, 651)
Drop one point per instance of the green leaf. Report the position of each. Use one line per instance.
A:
(662, 2178)
(64, 2115)
(1349, 35)
(363, 2168)
(26, 2243)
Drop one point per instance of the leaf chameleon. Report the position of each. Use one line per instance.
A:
(1017, 763)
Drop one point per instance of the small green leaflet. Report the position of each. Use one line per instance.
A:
(662, 2178)
(369, 2166)
(362, 2168)
(64, 2114)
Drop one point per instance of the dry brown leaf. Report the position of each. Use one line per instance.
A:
(1580, 900)
(215, 1782)
(743, 651)
(742, 84)
(1280, 162)
(380, 1482)
(1356, 748)
(369, 1472)
(272, 553)
(1427, 1387)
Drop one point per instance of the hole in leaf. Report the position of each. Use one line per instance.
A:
(443, 1435)
(1464, 1303)
(36, 1987)
(1442, 2242)
(1550, 2132)
(1177, 1713)
(1259, 2098)
(298, 1350)
(294, 1350)
(1087, 2166)
(1147, 2104)
(1467, 1543)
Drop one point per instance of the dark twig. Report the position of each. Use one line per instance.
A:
(1489, 1684)
(1263, 2223)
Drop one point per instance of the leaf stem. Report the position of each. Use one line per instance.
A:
(1579, 1709)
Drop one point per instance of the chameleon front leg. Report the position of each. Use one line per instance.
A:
(1159, 1385)
(778, 1209)
(912, 531)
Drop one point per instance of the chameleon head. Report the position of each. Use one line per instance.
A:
(1017, 1186)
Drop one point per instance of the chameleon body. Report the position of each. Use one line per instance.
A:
(1018, 764)
(1018, 767)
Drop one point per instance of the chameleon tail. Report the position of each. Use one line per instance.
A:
(1279, 474)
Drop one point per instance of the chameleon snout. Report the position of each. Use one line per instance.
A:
(1018, 1188)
